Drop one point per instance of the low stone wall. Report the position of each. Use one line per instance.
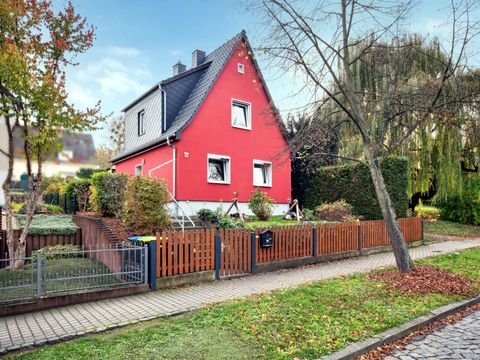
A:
(185, 279)
(69, 299)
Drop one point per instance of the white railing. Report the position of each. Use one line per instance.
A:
(183, 212)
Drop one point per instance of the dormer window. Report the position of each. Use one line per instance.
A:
(141, 123)
(241, 115)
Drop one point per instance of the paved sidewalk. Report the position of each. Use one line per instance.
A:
(460, 340)
(66, 322)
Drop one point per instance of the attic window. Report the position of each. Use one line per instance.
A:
(141, 123)
(262, 173)
(241, 115)
(241, 68)
(218, 169)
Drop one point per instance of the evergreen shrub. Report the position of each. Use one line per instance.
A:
(353, 183)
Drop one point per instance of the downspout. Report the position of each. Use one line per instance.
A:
(174, 160)
(174, 150)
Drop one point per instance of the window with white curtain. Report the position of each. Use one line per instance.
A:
(218, 169)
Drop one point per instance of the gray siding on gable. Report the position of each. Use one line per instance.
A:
(152, 105)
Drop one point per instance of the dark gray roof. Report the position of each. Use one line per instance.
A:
(218, 58)
(187, 91)
(178, 90)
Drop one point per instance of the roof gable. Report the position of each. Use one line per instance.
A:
(187, 91)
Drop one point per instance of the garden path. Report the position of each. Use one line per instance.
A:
(49, 326)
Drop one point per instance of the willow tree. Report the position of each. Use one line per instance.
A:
(320, 42)
(37, 45)
(448, 139)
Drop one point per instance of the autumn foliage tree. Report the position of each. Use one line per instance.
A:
(37, 45)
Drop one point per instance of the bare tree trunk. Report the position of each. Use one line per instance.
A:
(400, 250)
(9, 222)
(8, 196)
(34, 192)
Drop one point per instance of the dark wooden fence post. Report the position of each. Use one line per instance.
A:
(253, 257)
(423, 232)
(360, 253)
(218, 253)
(314, 241)
(152, 264)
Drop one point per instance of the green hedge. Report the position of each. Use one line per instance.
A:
(108, 193)
(465, 207)
(49, 224)
(145, 208)
(353, 183)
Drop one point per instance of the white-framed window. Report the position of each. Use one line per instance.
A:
(241, 114)
(218, 169)
(139, 170)
(262, 173)
(141, 123)
(241, 68)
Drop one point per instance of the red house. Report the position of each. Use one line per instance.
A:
(212, 132)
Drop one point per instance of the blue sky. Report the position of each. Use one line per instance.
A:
(137, 42)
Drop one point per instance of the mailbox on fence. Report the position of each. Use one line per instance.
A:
(266, 238)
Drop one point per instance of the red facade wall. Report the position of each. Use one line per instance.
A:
(211, 132)
(150, 160)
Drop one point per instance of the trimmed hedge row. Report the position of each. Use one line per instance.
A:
(353, 183)
(49, 225)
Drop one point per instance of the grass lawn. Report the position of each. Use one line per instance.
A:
(441, 227)
(49, 224)
(16, 285)
(305, 322)
(273, 221)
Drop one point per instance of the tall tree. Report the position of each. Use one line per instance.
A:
(37, 45)
(446, 140)
(321, 42)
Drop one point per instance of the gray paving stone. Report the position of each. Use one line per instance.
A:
(76, 320)
(454, 341)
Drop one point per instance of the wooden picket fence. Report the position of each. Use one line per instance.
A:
(237, 251)
(235, 258)
(374, 233)
(336, 238)
(290, 242)
(182, 253)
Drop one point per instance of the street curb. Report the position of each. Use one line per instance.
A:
(396, 333)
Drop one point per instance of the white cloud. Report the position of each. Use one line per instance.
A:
(174, 52)
(106, 77)
(124, 51)
(113, 75)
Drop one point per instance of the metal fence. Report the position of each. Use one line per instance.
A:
(47, 273)
(69, 204)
